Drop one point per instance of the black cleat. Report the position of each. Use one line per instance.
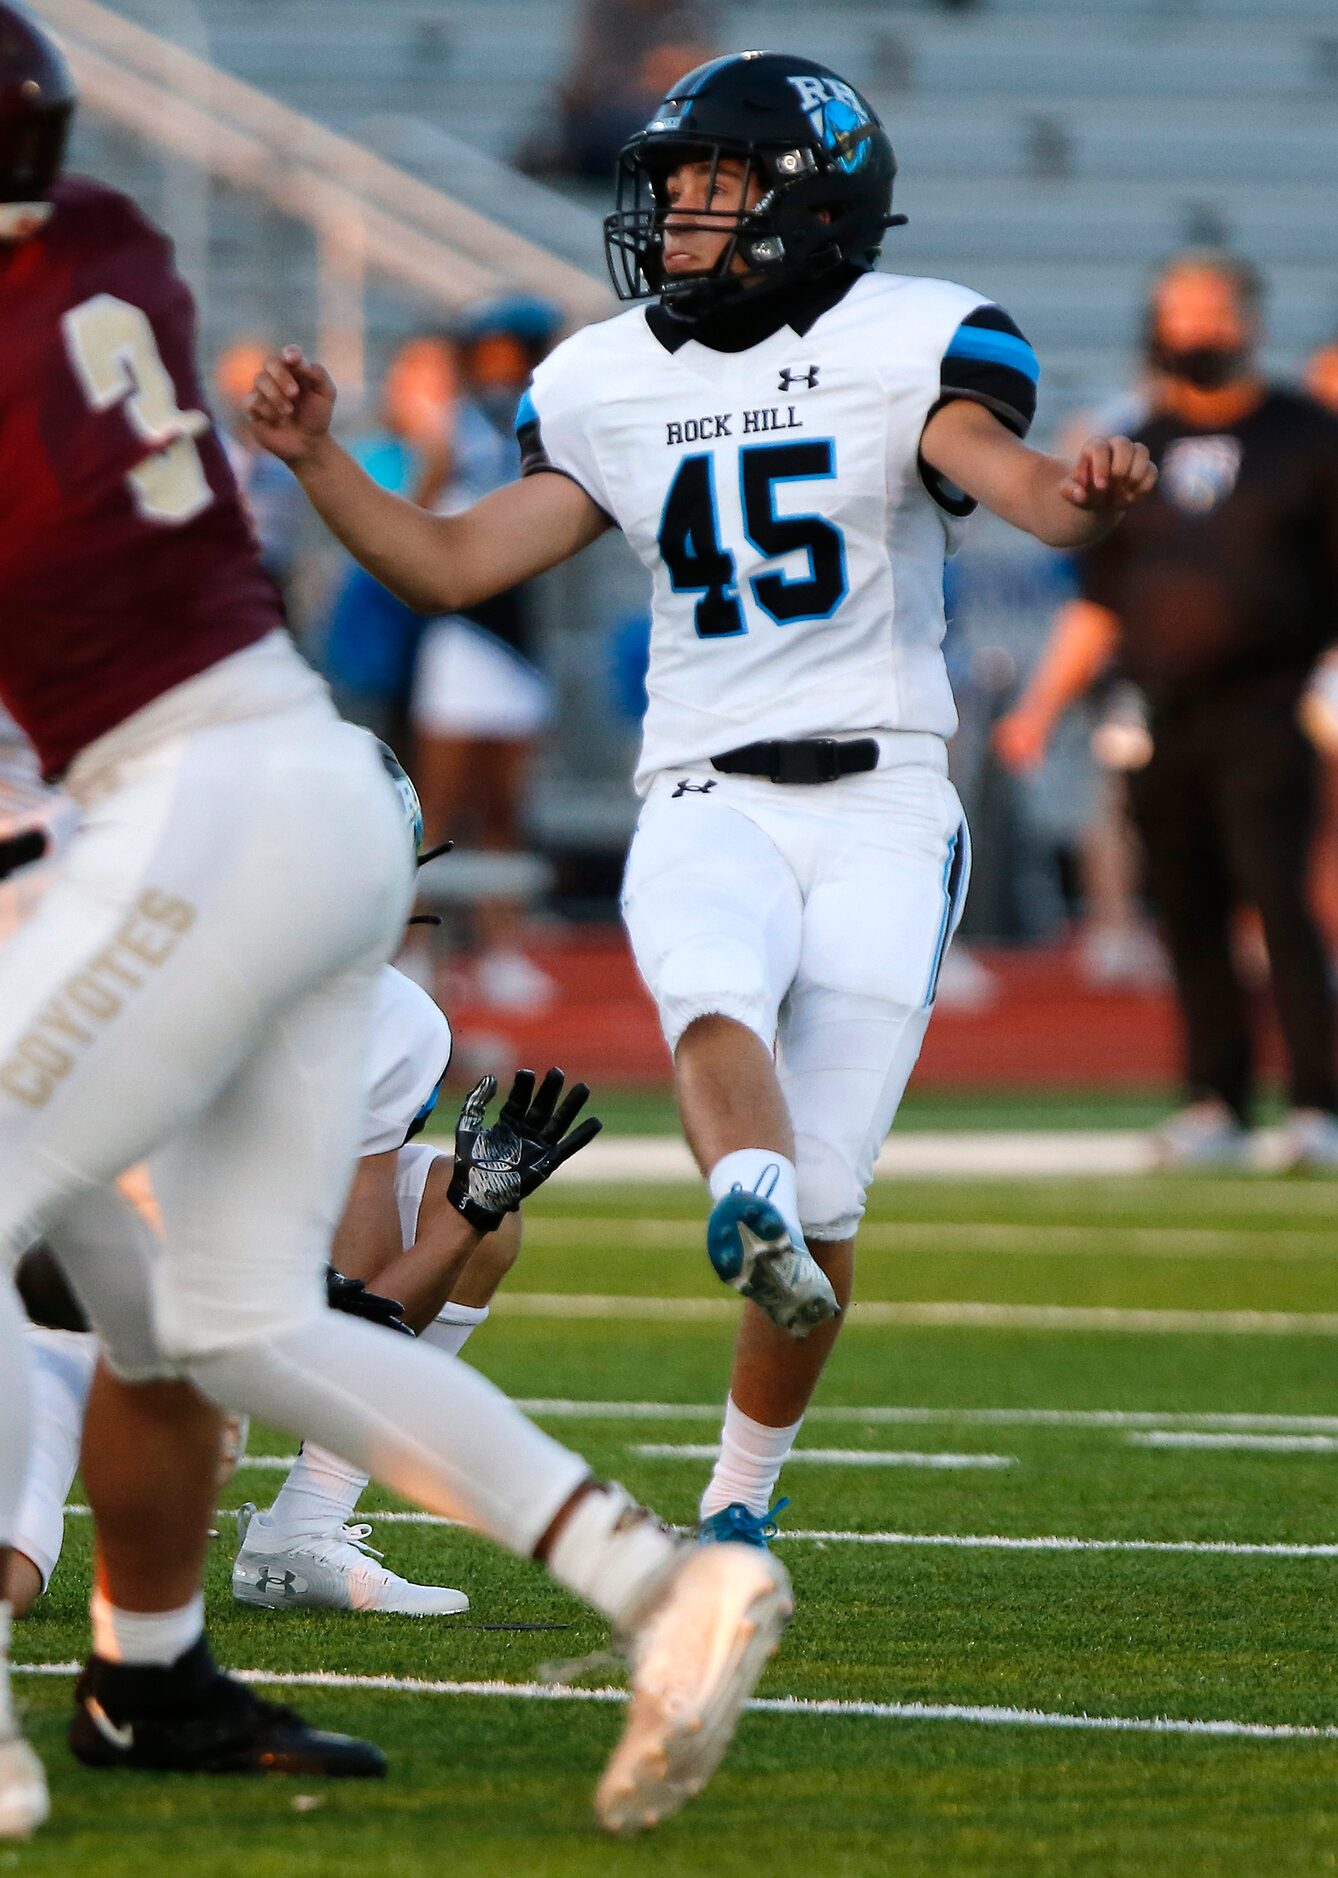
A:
(192, 1719)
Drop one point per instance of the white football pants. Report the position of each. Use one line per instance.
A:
(817, 916)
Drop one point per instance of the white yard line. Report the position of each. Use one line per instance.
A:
(1041, 1239)
(833, 1457)
(949, 1314)
(1009, 1153)
(1055, 1542)
(1256, 1443)
(994, 1153)
(981, 1714)
(562, 1408)
(949, 1541)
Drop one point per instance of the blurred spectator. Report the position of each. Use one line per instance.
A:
(370, 639)
(1321, 380)
(270, 489)
(627, 55)
(479, 703)
(1216, 598)
(1321, 375)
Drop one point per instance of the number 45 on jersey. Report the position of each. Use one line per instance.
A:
(698, 561)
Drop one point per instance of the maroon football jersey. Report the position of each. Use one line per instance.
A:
(127, 563)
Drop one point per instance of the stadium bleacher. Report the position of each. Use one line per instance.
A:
(1153, 123)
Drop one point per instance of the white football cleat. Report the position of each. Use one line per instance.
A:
(24, 1802)
(1206, 1134)
(695, 1658)
(1310, 1141)
(335, 1572)
(750, 1248)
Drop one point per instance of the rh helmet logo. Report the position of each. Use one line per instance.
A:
(838, 115)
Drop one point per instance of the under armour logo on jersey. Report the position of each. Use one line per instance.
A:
(686, 788)
(791, 376)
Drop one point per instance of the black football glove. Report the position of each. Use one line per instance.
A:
(352, 1296)
(498, 1167)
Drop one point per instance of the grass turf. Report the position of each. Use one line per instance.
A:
(652, 1111)
(495, 1785)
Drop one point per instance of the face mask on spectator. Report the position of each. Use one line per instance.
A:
(1207, 368)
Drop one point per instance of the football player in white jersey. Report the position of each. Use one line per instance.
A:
(790, 441)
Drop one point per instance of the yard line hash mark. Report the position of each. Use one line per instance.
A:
(1238, 1439)
(983, 1714)
(834, 1457)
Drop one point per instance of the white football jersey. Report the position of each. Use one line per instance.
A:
(410, 1051)
(776, 494)
(412, 1167)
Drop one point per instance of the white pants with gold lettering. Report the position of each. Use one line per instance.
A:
(818, 916)
(195, 990)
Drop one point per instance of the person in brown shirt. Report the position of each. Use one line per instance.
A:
(1218, 600)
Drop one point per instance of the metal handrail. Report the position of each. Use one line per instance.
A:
(368, 215)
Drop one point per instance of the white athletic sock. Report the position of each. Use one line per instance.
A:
(16, 1422)
(765, 1172)
(751, 1458)
(453, 1326)
(63, 1362)
(614, 1562)
(145, 1637)
(316, 1500)
(6, 1701)
(421, 1422)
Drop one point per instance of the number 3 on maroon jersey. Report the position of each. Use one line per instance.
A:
(115, 354)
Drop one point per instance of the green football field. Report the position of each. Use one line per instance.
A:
(1126, 1367)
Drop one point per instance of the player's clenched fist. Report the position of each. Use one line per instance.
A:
(291, 404)
(1109, 473)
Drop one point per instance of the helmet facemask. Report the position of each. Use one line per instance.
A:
(798, 228)
(636, 230)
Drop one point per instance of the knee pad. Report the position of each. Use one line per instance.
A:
(831, 1194)
(723, 979)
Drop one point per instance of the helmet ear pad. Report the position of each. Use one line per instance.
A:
(808, 219)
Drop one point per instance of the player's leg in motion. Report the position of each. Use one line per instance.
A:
(715, 914)
(823, 929)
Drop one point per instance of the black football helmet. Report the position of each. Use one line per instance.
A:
(818, 149)
(37, 98)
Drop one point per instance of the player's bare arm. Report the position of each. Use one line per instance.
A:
(434, 563)
(1065, 505)
(1081, 645)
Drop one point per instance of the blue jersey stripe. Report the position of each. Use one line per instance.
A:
(995, 348)
(525, 411)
